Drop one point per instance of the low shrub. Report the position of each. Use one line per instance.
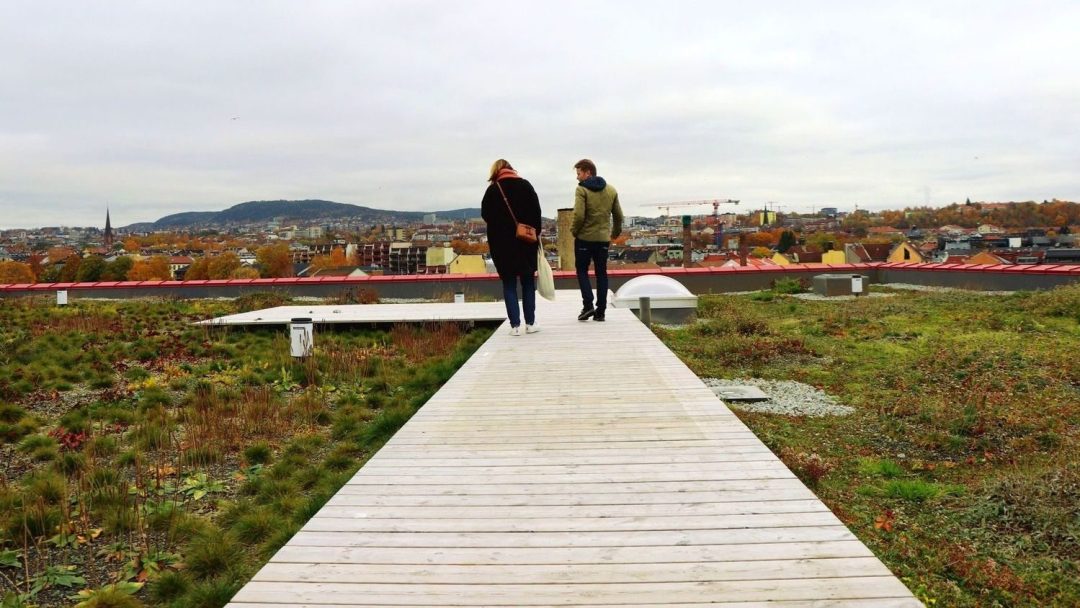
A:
(211, 554)
(258, 453)
(256, 525)
(169, 585)
(212, 592)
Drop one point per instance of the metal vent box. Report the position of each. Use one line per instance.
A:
(839, 284)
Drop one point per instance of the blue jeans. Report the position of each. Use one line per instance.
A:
(595, 252)
(528, 299)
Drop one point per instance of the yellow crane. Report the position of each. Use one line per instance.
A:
(715, 202)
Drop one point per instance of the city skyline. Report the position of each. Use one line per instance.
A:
(153, 109)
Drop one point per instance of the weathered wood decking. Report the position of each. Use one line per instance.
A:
(584, 465)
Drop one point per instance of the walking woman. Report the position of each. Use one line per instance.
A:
(508, 201)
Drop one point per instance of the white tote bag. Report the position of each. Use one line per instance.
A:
(545, 280)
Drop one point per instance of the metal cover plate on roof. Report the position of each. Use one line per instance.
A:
(740, 393)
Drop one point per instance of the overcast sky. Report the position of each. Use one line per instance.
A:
(158, 107)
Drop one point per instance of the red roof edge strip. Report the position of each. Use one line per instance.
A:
(1044, 269)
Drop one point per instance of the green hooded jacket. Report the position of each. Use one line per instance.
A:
(596, 204)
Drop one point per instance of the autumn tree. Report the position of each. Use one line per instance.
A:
(337, 257)
(759, 239)
(825, 241)
(198, 270)
(223, 266)
(70, 269)
(15, 272)
(245, 272)
(36, 266)
(274, 260)
(320, 262)
(91, 269)
(153, 269)
(117, 269)
(132, 245)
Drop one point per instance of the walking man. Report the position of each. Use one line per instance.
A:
(596, 204)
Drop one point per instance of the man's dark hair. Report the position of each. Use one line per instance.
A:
(586, 165)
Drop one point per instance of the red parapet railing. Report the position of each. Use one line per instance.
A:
(674, 272)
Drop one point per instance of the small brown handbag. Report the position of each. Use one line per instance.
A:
(523, 232)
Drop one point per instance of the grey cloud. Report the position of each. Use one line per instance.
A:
(405, 104)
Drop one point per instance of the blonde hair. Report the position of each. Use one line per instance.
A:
(497, 166)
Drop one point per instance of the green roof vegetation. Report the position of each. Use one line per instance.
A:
(961, 467)
(147, 461)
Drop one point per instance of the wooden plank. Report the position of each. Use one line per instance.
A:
(903, 602)
(636, 487)
(321, 523)
(522, 458)
(900, 602)
(541, 574)
(632, 538)
(766, 470)
(708, 509)
(749, 462)
(777, 494)
(573, 555)
(569, 595)
(683, 446)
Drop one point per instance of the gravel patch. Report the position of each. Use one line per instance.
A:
(787, 397)
(815, 296)
(407, 301)
(914, 287)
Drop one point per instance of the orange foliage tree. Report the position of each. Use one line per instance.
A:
(760, 239)
(223, 266)
(198, 270)
(275, 260)
(320, 262)
(154, 269)
(36, 265)
(15, 272)
(337, 257)
(462, 247)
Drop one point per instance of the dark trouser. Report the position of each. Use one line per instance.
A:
(594, 252)
(528, 299)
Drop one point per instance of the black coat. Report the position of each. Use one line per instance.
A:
(512, 256)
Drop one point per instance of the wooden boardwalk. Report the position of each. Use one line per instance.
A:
(584, 465)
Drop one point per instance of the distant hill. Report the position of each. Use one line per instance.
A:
(254, 212)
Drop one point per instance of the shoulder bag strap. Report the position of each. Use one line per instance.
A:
(507, 201)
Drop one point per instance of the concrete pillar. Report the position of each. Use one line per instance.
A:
(565, 242)
(687, 242)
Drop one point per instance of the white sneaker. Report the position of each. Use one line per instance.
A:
(515, 331)
(531, 329)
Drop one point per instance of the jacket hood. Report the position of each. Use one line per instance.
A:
(594, 183)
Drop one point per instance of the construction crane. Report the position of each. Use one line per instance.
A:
(714, 202)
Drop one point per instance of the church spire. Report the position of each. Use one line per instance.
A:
(108, 231)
